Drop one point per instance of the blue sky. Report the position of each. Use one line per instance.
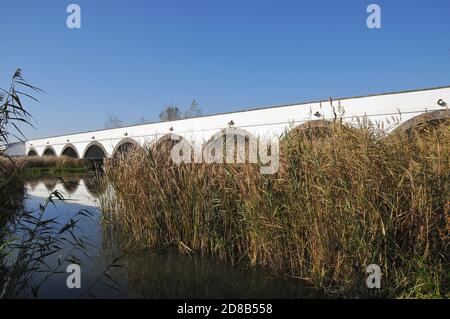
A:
(133, 57)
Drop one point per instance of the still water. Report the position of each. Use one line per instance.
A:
(149, 274)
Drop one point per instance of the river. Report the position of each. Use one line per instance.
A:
(149, 274)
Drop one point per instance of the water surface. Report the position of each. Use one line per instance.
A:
(149, 274)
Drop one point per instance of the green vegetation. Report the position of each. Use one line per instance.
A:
(24, 264)
(12, 113)
(341, 200)
(33, 166)
(28, 238)
(54, 171)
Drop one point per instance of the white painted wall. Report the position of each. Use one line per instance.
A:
(380, 109)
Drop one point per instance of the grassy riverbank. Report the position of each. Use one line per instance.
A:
(45, 166)
(339, 203)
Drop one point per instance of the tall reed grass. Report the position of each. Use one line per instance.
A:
(24, 162)
(340, 201)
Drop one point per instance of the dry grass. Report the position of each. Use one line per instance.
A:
(340, 202)
(24, 162)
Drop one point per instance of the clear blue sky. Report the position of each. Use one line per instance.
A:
(133, 57)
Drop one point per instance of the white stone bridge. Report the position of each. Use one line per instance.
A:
(390, 111)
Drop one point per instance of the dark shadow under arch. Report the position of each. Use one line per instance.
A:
(170, 138)
(50, 182)
(429, 119)
(229, 139)
(124, 146)
(91, 185)
(32, 152)
(95, 151)
(49, 151)
(70, 184)
(314, 128)
(162, 148)
(70, 151)
(232, 131)
(33, 182)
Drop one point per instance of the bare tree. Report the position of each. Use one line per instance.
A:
(170, 113)
(142, 120)
(113, 121)
(193, 110)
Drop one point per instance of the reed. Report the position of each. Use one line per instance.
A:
(29, 167)
(25, 162)
(340, 201)
(28, 239)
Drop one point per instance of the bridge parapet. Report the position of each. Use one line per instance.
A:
(388, 111)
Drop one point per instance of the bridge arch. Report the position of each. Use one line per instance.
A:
(124, 146)
(167, 141)
(49, 151)
(429, 118)
(171, 138)
(231, 131)
(313, 128)
(32, 183)
(50, 183)
(70, 150)
(162, 148)
(95, 151)
(32, 152)
(70, 184)
(91, 186)
(231, 140)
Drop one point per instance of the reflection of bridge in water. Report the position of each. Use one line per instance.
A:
(76, 190)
